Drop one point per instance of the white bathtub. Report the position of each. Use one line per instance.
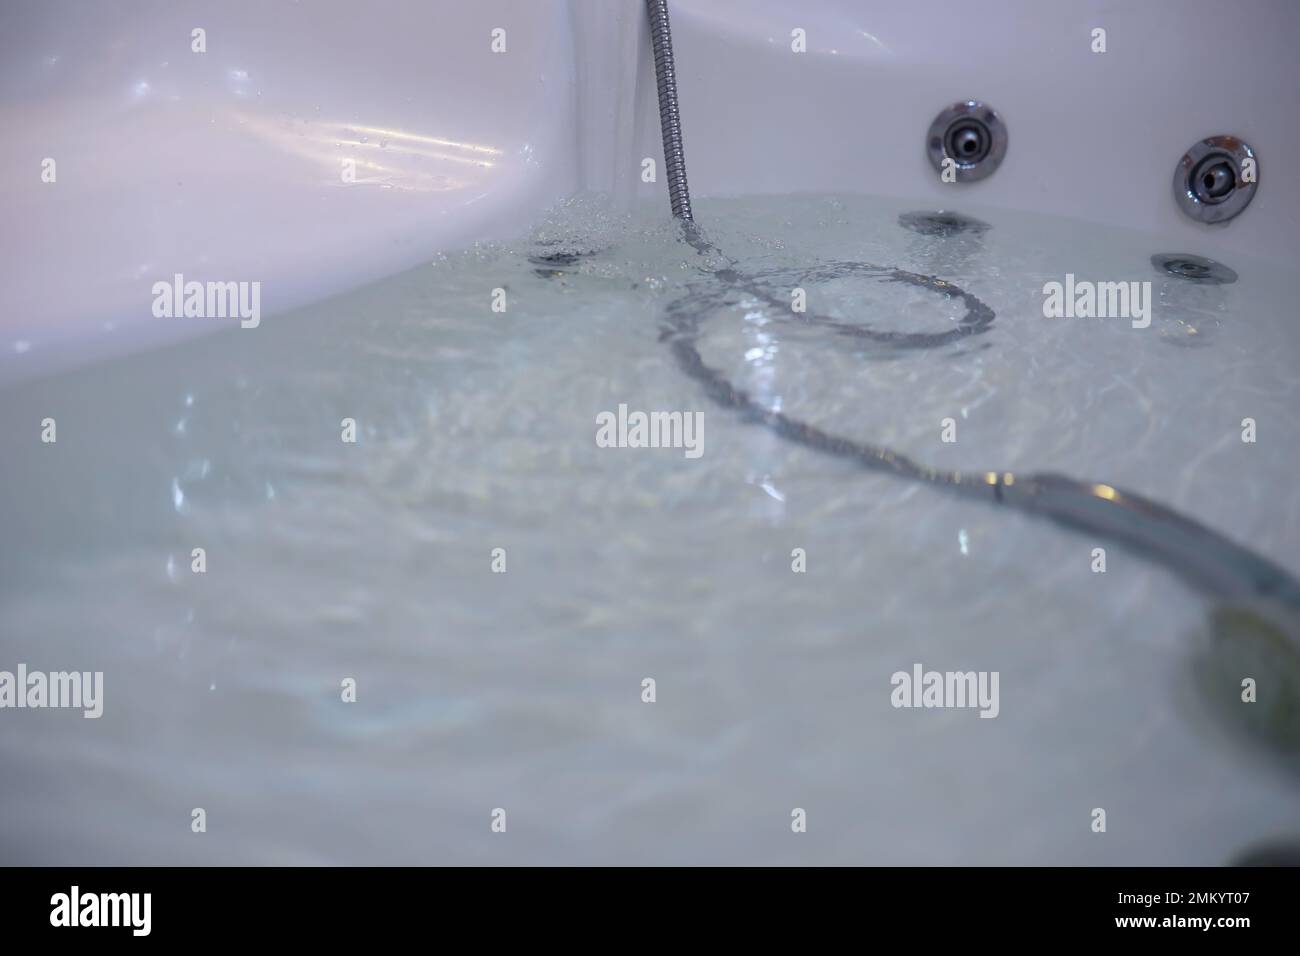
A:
(387, 179)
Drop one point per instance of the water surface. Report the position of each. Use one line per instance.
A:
(522, 690)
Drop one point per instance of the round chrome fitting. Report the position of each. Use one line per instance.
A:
(1184, 265)
(1216, 179)
(972, 135)
(941, 223)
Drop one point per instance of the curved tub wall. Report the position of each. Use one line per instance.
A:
(227, 165)
(1094, 136)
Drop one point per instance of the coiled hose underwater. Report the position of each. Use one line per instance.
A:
(1202, 557)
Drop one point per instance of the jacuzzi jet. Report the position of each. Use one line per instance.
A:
(558, 263)
(1193, 268)
(556, 259)
(967, 140)
(1215, 180)
(941, 224)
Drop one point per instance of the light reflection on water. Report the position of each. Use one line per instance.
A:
(475, 431)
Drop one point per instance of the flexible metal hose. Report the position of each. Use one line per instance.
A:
(661, 39)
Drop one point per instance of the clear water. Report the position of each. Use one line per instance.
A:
(522, 690)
